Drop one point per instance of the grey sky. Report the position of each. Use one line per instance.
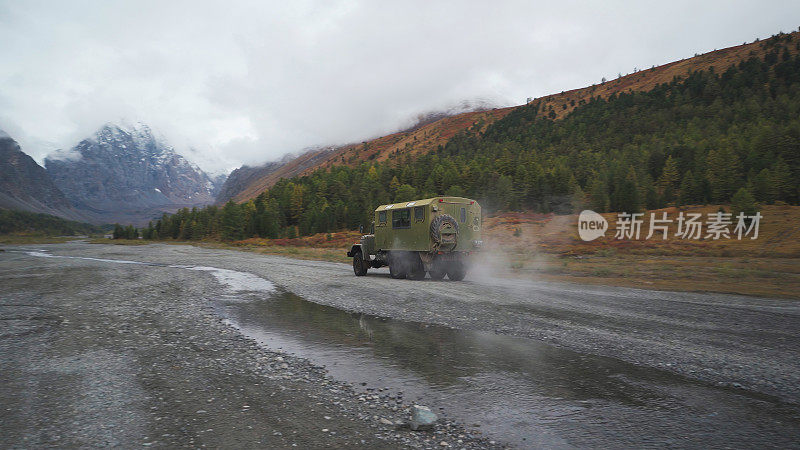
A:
(246, 82)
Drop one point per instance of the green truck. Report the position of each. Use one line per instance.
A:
(434, 236)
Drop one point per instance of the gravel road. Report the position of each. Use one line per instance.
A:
(155, 323)
(96, 354)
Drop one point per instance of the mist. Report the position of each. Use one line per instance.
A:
(232, 83)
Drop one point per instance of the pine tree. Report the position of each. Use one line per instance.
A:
(598, 195)
(763, 187)
(743, 201)
(723, 173)
(249, 215)
(147, 233)
(372, 173)
(394, 185)
(454, 191)
(196, 228)
(232, 221)
(688, 191)
(185, 232)
(669, 180)
(130, 232)
(782, 180)
(296, 203)
(405, 193)
(504, 192)
(626, 195)
(578, 199)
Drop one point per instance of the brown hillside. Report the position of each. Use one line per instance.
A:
(645, 80)
(427, 137)
(417, 140)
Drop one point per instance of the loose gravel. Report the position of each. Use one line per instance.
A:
(75, 331)
(98, 354)
(734, 341)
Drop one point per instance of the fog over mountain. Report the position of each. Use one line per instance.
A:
(236, 84)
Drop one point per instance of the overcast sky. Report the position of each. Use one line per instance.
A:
(244, 83)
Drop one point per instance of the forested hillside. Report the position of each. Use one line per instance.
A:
(699, 138)
(24, 222)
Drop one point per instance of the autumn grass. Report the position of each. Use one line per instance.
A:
(333, 254)
(546, 247)
(102, 240)
(12, 239)
(767, 277)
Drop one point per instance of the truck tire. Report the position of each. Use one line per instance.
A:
(436, 274)
(456, 271)
(397, 268)
(437, 270)
(436, 227)
(359, 265)
(416, 271)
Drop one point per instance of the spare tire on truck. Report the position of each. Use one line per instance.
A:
(444, 231)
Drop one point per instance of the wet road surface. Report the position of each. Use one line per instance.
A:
(551, 392)
(526, 392)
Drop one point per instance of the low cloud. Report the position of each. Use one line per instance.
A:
(244, 83)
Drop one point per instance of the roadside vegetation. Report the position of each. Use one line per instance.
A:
(25, 239)
(28, 225)
(547, 247)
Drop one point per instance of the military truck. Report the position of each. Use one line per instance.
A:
(434, 236)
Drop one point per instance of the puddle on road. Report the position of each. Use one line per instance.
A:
(521, 391)
(234, 281)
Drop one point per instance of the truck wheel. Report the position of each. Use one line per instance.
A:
(456, 271)
(397, 268)
(396, 271)
(436, 274)
(359, 267)
(416, 270)
(437, 271)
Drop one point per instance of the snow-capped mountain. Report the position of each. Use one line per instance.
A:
(128, 174)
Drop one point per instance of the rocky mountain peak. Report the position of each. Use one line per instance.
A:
(129, 171)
